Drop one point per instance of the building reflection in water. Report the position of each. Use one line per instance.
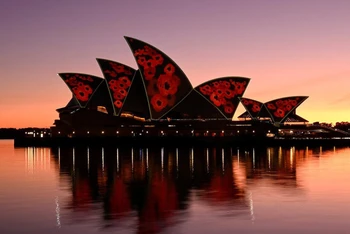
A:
(37, 159)
(153, 186)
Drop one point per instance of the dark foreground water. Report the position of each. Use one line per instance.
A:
(174, 190)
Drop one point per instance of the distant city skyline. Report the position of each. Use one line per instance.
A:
(286, 48)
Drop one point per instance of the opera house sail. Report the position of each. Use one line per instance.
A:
(158, 99)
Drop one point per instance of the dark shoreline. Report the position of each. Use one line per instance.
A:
(177, 141)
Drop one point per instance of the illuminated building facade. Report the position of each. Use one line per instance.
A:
(277, 111)
(157, 99)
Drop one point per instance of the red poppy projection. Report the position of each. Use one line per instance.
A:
(224, 93)
(81, 195)
(119, 202)
(119, 78)
(166, 84)
(222, 189)
(281, 108)
(160, 206)
(82, 86)
(253, 107)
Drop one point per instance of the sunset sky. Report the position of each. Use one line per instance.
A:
(287, 48)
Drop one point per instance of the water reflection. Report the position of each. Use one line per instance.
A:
(151, 188)
(152, 184)
(36, 159)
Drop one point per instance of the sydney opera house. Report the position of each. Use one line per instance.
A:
(157, 99)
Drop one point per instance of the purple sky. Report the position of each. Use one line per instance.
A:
(287, 48)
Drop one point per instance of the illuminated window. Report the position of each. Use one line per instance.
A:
(102, 109)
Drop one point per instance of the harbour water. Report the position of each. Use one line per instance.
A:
(174, 190)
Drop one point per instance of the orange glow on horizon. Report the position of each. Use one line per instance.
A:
(44, 114)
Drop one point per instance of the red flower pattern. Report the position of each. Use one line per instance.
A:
(118, 96)
(279, 108)
(169, 69)
(252, 106)
(279, 113)
(118, 104)
(222, 92)
(149, 73)
(256, 108)
(118, 68)
(271, 106)
(160, 77)
(81, 86)
(167, 84)
(158, 102)
(229, 108)
(215, 99)
(119, 79)
(206, 90)
(119, 87)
